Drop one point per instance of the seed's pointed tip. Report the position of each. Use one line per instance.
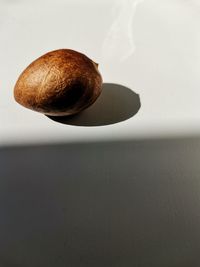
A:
(96, 64)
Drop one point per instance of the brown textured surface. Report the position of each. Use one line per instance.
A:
(59, 83)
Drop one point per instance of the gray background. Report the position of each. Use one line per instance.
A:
(125, 203)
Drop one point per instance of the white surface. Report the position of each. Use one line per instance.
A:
(150, 46)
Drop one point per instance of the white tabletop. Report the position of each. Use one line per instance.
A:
(150, 47)
(69, 202)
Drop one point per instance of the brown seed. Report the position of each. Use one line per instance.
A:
(59, 83)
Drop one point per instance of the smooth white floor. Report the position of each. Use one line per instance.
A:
(152, 47)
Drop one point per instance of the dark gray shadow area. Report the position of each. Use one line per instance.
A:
(131, 203)
(115, 104)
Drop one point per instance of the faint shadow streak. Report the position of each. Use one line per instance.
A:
(115, 104)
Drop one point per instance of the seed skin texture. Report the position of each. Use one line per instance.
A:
(60, 83)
